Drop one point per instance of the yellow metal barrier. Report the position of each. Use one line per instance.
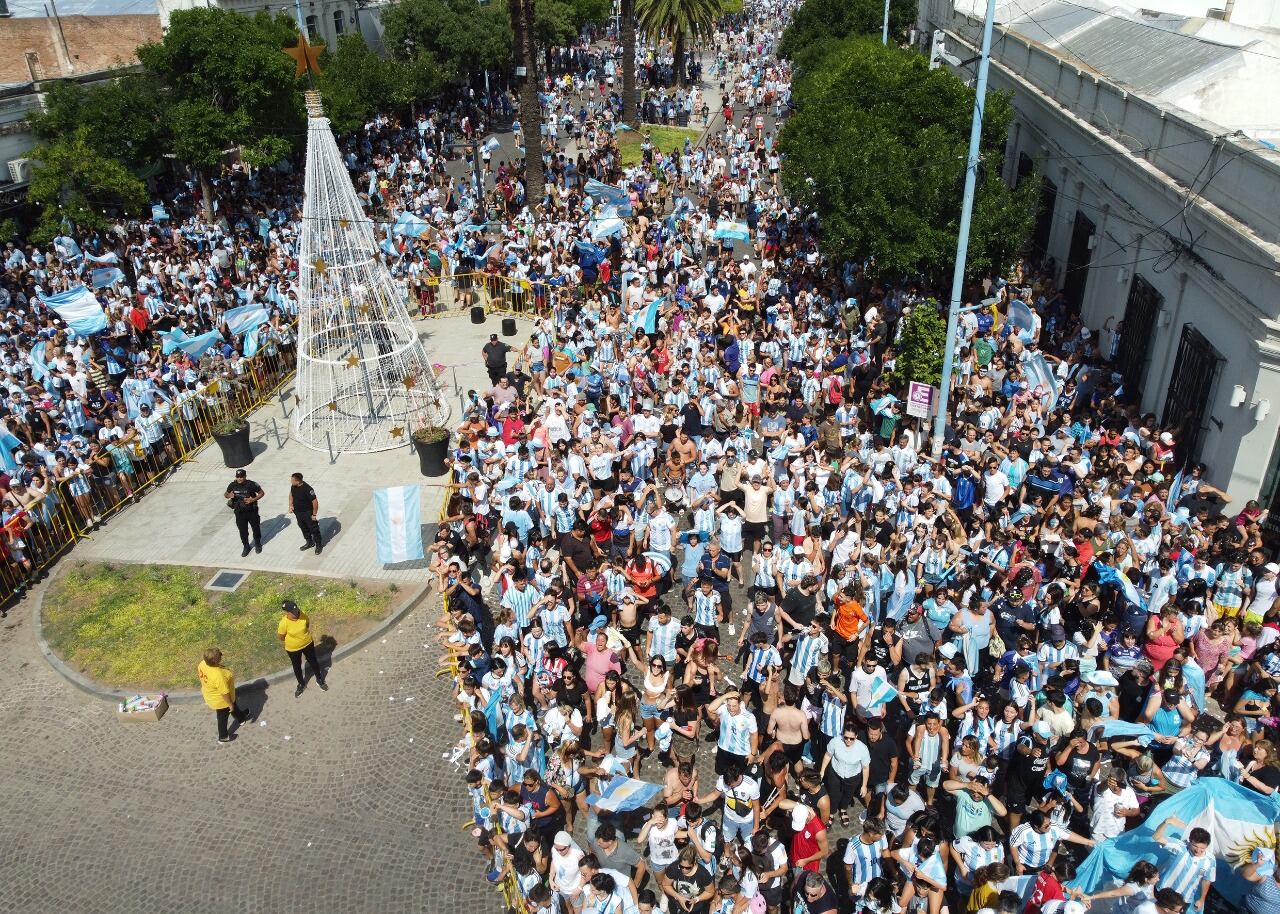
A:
(511, 895)
(39, 526)
(442, 296)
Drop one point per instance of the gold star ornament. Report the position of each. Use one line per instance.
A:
(365, 309)
(333, 407)
(397, 432)
(305, 55)
(319, 265)
(410, 382)
(353, 361)
(344, 223)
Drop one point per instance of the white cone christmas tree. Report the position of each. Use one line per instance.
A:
(364, 379)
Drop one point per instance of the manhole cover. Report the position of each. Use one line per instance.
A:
(227, 580)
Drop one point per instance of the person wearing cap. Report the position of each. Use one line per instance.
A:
(218, 688)
(294, 631)
(242, 497)
(305, 508)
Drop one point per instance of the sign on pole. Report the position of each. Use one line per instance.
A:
(920, 400)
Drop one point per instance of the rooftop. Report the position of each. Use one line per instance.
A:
(1208, 67)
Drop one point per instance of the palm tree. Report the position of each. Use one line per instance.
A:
(676, 21)
(524, 46)
(627, 15)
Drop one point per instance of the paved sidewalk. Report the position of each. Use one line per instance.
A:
(186, 521)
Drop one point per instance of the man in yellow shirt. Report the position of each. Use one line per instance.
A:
(218, 685)
(295, 631)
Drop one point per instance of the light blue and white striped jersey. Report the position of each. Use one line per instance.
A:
(865, 861)
(759, 661)
(731, 532)
(1182, 871)
(616, 584)
(833, 709)
(975, 855)
(521, 603)
(793, 570)
(705, 608)
(736, 731)
(764, 573)
(981, 727)
(809, 649)
(664, 638)
(534, 649)
(1033, 848)
(553, 619)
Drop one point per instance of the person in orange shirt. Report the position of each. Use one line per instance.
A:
(218, 685)
(847, 623)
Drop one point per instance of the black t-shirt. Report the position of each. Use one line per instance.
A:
(1078, 766)
(799, 606)
(825, 903)
(303, 496)
(495, 354)
(242, 489)
(578, 550)
(1131, 696)
(688, 885)
(882, 751)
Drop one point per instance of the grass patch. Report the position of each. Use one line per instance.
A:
(665, 139)
(145, 626)
(730, 7)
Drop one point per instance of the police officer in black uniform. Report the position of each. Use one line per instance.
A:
(242, 497)
(305, 508)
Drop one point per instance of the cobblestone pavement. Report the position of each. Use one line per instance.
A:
(338, 801)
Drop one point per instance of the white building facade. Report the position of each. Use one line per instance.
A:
(1158, 220)
(326, 20)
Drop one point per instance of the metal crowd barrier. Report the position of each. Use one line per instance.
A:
(456, 293)
(512, 898)
(43, 527)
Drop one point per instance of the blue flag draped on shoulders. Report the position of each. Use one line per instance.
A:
(650, 324)
(79, 309)
(1240, 822)
(397, 523)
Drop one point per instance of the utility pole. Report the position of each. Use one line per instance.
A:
(962, 240)
(884, 34)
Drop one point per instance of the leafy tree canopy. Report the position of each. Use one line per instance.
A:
(465, 39)
(877, 146)
(357, 83)
(817, 20)
(73, 180)
(227, 85)
(921, 345)
(123, 117)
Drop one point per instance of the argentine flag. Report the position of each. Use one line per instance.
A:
(245, 318)
(1241, 824)
(79, 309)
(728, 230)
(881, 692)
(1109, 575)
(397, 523)
(623, 794)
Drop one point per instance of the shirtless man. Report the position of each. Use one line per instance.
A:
(789, 726)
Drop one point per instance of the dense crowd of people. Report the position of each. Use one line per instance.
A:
(698, 542)
(696, 538)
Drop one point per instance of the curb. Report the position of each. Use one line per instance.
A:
(89, 687)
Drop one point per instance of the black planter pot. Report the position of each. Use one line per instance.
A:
(235, 447)
(431, 455)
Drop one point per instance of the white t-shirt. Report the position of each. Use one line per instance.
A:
(737, 799)
(1104, 821)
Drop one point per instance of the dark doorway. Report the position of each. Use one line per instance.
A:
(1186, 405)
(1043, 226)
(1078, 256)
(1134, 351)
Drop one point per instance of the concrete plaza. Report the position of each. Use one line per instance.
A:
(337, 801)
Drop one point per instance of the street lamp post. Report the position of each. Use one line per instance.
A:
(884, 34)
(962, 240)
